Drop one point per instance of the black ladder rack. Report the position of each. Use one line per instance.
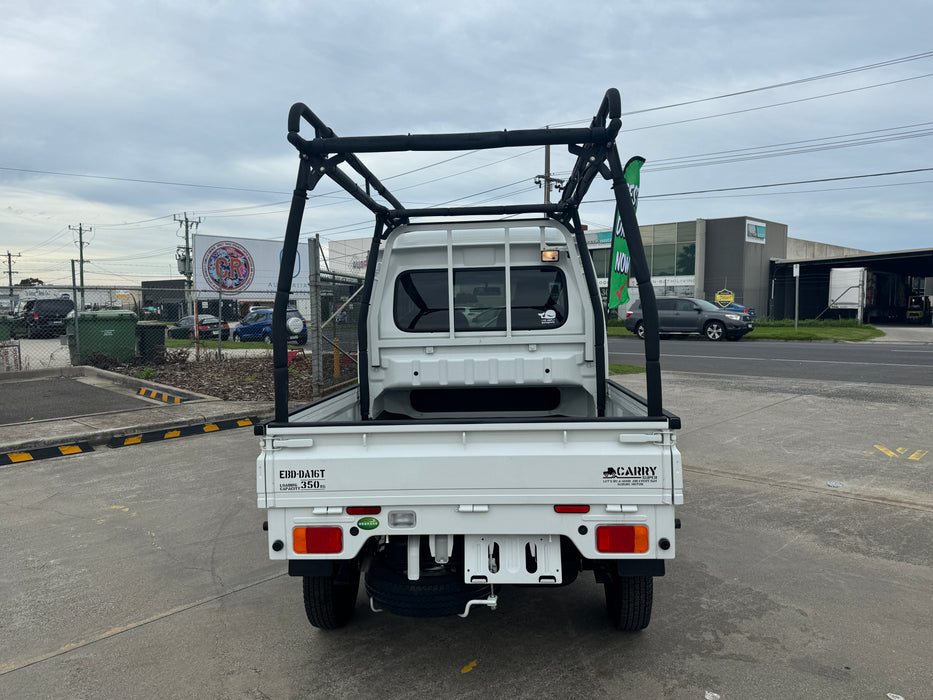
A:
(597, 154)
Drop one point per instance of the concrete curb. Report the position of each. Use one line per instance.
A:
(106, 427)
(100, 429)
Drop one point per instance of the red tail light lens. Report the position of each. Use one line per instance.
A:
(363, 510)
(571, 509)
(627, 539)
(627, 314)
(317, 540)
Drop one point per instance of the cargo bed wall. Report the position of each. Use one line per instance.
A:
(454, 464)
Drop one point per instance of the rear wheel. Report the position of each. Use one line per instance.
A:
(330, 601)
(237, 338)
(266, 338)
(714, 330)
(640, 330)
(628, 602)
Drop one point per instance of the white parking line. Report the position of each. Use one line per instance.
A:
(777, 359)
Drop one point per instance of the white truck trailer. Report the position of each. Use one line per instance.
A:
(484, 444)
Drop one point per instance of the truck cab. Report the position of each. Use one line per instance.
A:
(481, 320)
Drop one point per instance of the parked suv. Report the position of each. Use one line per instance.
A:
(44, 318)
(257, 326)
(687, 315)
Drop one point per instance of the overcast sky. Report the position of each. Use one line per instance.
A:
(120, 115)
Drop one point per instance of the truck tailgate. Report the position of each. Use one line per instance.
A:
(603, 461)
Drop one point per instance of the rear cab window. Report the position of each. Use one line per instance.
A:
(423, 299)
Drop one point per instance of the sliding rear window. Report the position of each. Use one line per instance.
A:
(422, 300)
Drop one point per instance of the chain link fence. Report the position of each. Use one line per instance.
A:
(152, 324)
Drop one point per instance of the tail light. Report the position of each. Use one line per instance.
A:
(364, 510)
(35, 316)
(571, 509)
(317, 540)
(627, 314)
(627, 539)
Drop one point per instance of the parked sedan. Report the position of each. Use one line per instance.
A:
(738, 308)
(691, 316)
(208, 327)
(256, 326)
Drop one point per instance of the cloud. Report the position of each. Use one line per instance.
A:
(182, 107)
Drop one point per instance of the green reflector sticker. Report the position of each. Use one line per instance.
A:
(367, 523)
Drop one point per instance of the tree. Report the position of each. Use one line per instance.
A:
(30, 282)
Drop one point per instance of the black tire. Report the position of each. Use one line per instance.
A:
(714, 330)
(437, 593)
(237, 338)
(640, 330)
(330, 601)
(628, 602)
(266, 338)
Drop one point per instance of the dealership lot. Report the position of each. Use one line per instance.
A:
(803, 568)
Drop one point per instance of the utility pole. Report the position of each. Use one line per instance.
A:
(546, 179)
(9, 271)
(81, 231)
(191, 225)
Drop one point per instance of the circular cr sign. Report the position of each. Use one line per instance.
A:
(228, 267)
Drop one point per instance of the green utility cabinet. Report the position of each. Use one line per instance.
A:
(150, 340)
(110, 334)
(6, 327)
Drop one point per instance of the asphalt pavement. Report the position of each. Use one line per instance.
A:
(802, 570)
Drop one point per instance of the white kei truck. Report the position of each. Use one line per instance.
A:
(484, 444)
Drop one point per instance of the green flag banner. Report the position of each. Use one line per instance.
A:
(618, 277)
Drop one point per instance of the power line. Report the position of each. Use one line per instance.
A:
(798, 81)
(813, 191)
(802, 80)
(749, 153)
(670, 163)
(666, 161)
(140, 180)
(776, 184)
(780, 104)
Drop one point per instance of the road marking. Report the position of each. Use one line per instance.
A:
(775, 359)
(901, 451)
(469, 667)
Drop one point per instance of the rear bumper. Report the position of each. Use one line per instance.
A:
(578, 529)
